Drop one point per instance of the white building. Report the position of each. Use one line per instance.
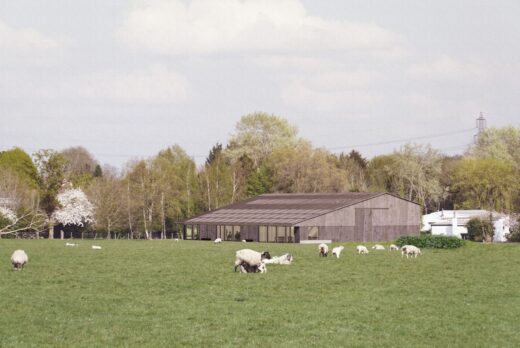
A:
(453, 223)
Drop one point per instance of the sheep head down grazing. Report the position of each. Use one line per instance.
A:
(324, 249)
(19, 259)
(251, 258)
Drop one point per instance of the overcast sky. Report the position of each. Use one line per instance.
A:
(126, 79)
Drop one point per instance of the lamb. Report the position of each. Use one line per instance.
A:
(96, 247)
(378, 247)
(245, 268)
(337, 251)
(19, 259)
(410, 250)
(361, 249)
(250, 257)
(324, 249)
(218, 240)
(71, 244)
(393, 247)
(286, 259)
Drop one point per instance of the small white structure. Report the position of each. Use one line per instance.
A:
(453, 223)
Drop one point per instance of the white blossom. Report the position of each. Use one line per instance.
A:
(76, 208)
(8, 214)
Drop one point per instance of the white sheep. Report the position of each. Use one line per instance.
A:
(71, 244)
(250, 257)
(286, 259)
(378, 247)
(393, 247)
(323, 249)
(410, 250)
(244, 241)
(218, 240)
(361, 249)
(176, 239)
(96, 247)
(337, 251)
(19, 259)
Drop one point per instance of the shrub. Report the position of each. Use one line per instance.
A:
(480, 229)
(429, 241)
(514, 232)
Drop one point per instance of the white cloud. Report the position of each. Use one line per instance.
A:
(11, 38)
(155, 84)
(331, 91)
(207, 26)
(446, 68)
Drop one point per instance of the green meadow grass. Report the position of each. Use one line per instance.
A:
(178, 294)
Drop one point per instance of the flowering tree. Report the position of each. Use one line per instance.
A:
(75, 208)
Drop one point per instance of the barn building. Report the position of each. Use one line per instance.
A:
(300, 218)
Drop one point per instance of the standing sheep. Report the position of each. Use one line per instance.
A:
(393, 247)
(337, 251)
(19, 259)
(218, 240)
(410, 250)
(323, 249)
(361, 249)
(250, 257)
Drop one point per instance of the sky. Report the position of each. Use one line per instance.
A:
(125, 79)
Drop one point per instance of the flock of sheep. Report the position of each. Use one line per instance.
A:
(251, 261)
(408, 250)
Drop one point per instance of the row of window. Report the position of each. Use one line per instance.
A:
(267, 234)
(276, 234)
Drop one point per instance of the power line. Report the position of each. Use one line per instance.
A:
(404, 139)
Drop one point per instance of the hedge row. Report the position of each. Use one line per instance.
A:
(429, 241)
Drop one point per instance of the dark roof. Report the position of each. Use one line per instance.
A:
(281, 208)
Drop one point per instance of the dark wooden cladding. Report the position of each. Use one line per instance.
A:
(361, 217)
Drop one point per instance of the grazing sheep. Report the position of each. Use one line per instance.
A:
(393, 247)
(286, 259)
(410, 250)
(337, 251)
(218, 240)
(378, 247)
(71, 244)
(96, 247)
(245, 268)
(19, 259)
(176, 239)
(361, 249)
(244, 241)
(250, 257)
(324, 249)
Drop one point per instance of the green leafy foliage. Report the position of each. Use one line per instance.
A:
(480, 230)
(430, 242)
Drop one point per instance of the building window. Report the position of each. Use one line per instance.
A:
(220, 232)
(228, 230)
(196, 229)
(236, 232)
(290, 234)
(313, 233)
(189, 231)
(262, 234)
(271, 234)
(280, 234)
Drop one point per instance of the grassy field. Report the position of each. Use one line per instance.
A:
(166, 294)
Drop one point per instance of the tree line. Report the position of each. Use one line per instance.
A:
(265, 154)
